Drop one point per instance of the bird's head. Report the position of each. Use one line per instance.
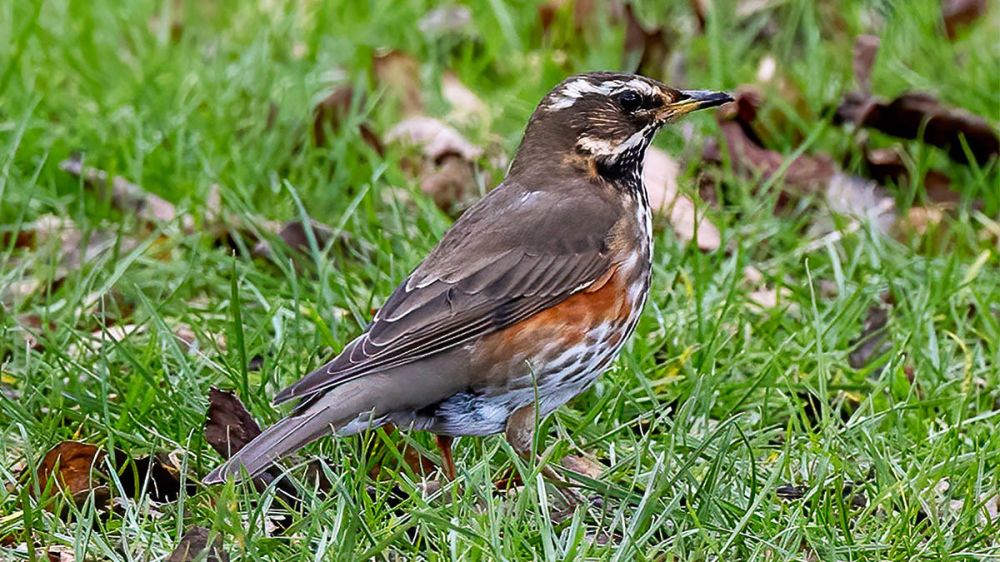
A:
(604, 121)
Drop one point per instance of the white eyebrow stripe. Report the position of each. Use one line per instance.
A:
(572, 91)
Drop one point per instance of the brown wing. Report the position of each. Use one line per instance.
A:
(512, 255)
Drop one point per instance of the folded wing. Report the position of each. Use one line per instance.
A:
(488, 272)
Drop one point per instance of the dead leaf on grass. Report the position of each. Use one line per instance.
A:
(435, 138)
(584, 465)
(463, 101)
(73, 468)
(921, 116)
(451, 184)
(156, 474)
(126, 196)
(228, 428)
(60, 553)
(449, 18)
(399, 74)
(961, 13)
(329, 115)
(865, 51)
(194, 546)
(645, 49)
(805, 174)
(872, 342)
(659, 174)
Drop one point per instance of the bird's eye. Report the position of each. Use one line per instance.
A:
(629, 100)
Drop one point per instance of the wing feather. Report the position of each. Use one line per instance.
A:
(506, 259)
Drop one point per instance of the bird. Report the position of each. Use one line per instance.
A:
(525, 300)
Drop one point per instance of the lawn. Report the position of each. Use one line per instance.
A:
(815, 376)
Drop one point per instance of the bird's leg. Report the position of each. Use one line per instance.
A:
(444, 444)
(520, 433)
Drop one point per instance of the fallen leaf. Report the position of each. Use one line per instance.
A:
(71, 467)
(645, 49)
(228, 428)
(791, 492)
(766, 296)
(961, 13)
(330, 113)
(399, 74)
(584, 13)
(873, 342)
(805, 174)
(919, 222)
(865, 51)
(659, 174)
(921, 116)
(461, 99)
(194, 546)
(126, 196)
(435, 138)
(862, 199)
(450, 18)
(700, 12)
(584, 465)
(153, 476)
(450, 184)
(295, 235)
(60, 553)
(31, 325)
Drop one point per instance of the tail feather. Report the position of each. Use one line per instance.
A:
(273, 443)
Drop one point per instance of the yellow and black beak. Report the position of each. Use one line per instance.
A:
(683, 102)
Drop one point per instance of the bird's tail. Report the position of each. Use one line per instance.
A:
(273, 443)
(324, 415)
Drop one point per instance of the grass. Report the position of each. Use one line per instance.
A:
(715, 407)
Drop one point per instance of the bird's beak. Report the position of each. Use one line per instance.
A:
(691, 100)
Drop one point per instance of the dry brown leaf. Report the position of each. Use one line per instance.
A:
(659, 174)
(187, 336)
(60, 553)
(865, 51)
(435, 138)
(19, 291)
(584, 12)
(766, 296)
(919, 115)
(872, 342)
(584, 465)
(294, 234)
(769, 297)
(862, 199)
(194, 546)
(452, 18)
(399, 74)
(803, 175)
(71, 467)
(229, 426)
(451, 184)
(961, 13)
(330, 113)
(918, 222)
(126, 196)
(645, 49)
(462, 100)
(156, 476)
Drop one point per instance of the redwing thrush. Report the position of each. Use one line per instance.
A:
(523, 303)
